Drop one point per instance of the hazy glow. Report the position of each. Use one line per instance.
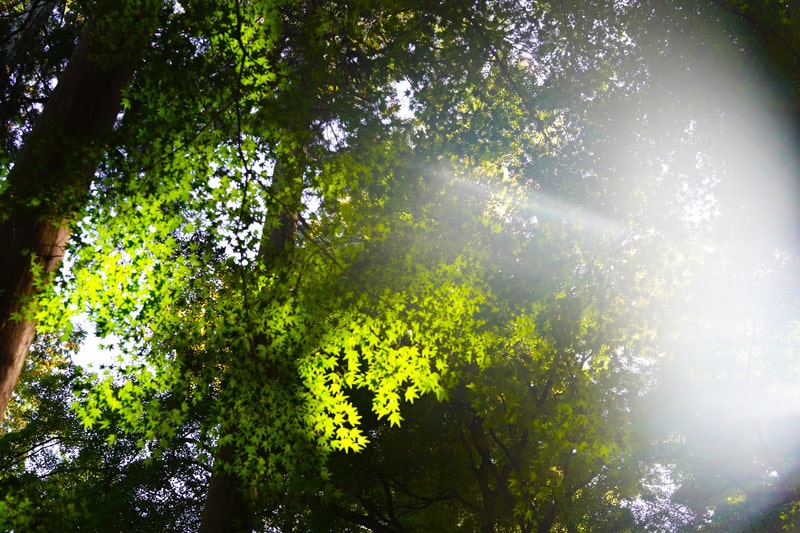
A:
(552, 209)
(733, 359)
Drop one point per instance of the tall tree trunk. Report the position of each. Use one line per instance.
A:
(50, 179)
(228, 509)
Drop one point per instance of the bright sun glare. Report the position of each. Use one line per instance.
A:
(735, 380)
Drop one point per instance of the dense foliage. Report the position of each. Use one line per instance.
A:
(394, 266)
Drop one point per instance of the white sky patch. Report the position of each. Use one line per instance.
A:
(95, 351)
(404, 94)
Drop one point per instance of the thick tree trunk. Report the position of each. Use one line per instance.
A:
(227, 509)
(45, 190)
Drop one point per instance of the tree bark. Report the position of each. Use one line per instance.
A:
(227, 509)
(47, 187)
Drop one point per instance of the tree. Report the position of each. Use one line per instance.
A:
(52, 172)
(59, 474)
(288, 123)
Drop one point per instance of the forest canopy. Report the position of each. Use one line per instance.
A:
(391, 266)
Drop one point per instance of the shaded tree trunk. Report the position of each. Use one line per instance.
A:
(228, 509)
(48, 184)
